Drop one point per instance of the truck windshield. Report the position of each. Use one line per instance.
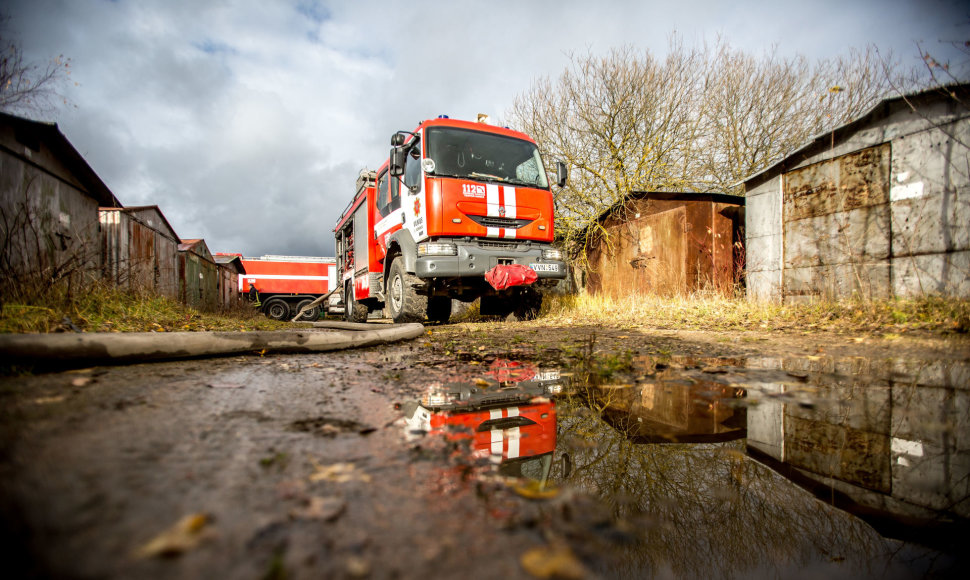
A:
(485, 157)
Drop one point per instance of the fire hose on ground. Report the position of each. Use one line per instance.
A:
(85, 349)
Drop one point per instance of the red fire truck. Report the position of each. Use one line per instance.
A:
(285, 284)
(510, 415)
(454, 201)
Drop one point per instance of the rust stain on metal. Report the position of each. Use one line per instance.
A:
(667, 246)
(852, 181)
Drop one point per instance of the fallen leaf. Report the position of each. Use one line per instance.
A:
(358, 567)
(338, 472)
(49, 400)
(553, 562)
(185, 535)
(319, 508)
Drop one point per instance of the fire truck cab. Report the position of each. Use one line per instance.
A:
(453, 200)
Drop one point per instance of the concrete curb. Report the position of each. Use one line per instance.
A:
(86, 349)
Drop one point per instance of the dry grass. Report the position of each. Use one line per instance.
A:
(714, 312)
(104, 309)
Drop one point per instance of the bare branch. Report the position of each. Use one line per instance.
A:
(29, 88)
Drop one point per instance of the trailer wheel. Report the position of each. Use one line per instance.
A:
(311, 314)
(354, 311)
(439, 309)
(277, 309)
(404, 304)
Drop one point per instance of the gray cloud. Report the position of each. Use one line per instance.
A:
(247, 121)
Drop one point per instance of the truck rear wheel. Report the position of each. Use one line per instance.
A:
(311, 313)
(277, 309)
(439, 309)
(404, 304)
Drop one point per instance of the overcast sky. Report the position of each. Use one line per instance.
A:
(248, 121)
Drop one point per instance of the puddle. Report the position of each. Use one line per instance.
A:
(754, 467)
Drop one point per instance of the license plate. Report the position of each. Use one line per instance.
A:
(545, 267)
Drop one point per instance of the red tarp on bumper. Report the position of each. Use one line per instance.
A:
(506, 276)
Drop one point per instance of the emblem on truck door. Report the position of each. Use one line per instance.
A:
(417, 207)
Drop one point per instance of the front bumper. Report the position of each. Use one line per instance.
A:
(475, 258)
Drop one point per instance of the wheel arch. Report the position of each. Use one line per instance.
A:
(401, 243)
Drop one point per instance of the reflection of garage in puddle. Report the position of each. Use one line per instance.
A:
(678, 439)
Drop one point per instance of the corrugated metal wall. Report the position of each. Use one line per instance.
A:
(199, 279)
(48, 227)
(138, 256)
(668, 244)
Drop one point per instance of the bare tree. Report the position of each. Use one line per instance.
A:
(622, 122)
(760, 110)
(699, 119)
(26, 87)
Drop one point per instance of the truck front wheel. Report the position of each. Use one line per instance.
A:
(404, 304)
(354, 311)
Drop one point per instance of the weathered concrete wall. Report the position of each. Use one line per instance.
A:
(883, 454)
(880, 210)
(931, 211)
(836, 227)
(764, 241)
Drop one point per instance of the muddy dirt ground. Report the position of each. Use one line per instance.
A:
(296, 466)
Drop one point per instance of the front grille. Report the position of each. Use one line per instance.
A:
(499, 222)
(490, 245)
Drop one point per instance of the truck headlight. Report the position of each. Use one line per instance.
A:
(437, 249)
(551, 254)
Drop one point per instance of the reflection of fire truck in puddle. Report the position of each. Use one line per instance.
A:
(508, 415)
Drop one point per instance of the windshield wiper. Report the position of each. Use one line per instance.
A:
(524, 183)
(486, 176)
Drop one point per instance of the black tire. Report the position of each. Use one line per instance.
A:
(528, 305)
(439, 309)
(354, 311)
(311, 314)
(277, 309)
(404, 304)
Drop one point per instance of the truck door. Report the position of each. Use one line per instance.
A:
(362, 237)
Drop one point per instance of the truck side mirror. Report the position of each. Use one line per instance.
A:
(397, 139)
(561, 174)
(398, 156)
